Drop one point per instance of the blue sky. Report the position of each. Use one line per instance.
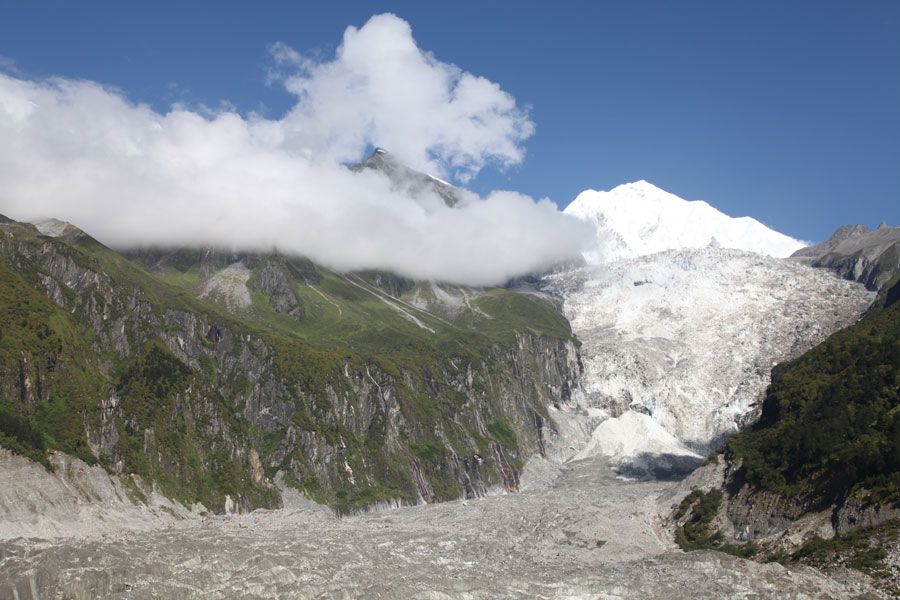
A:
(788, 112)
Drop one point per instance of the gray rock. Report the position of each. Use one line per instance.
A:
(415, 183)
(272, 281)
(857, 253)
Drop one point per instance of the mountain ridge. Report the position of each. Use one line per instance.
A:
(871, 257)
(412, 182)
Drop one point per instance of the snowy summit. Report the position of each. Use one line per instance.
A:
(636, 219)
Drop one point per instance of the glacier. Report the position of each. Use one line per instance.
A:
(682, 312)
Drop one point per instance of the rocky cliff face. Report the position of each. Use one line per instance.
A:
(272, 281)
(210, 399)
(777, 520)
(857, 253)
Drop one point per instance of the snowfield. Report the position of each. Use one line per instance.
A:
(636, 219)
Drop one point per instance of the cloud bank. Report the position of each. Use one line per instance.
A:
(130, 176)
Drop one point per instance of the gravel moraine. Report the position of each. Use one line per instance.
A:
(575, 531)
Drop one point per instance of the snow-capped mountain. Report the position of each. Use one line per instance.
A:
(636, 219)
(678, 346)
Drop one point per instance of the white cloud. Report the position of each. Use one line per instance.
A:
(381, 89)
(78, 151)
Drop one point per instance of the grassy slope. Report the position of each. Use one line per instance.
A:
(346, 316)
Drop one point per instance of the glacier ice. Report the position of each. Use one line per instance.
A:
(687, 338)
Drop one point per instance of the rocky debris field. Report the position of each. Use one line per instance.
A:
(575, 531)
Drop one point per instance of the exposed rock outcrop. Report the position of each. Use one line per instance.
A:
(272, 281)
(855, 252)
(779, 521)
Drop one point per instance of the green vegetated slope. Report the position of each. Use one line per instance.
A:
(39, 346)
(87, 374)
(831, 418)
(827, 446)
(207, 376)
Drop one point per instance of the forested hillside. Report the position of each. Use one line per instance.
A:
(831, 418)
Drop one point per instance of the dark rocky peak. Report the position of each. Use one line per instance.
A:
(380, 160)
(413, 182)
(853, 239)
(844, 232)
(858, 253)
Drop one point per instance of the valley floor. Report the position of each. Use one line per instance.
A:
(575, 531)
